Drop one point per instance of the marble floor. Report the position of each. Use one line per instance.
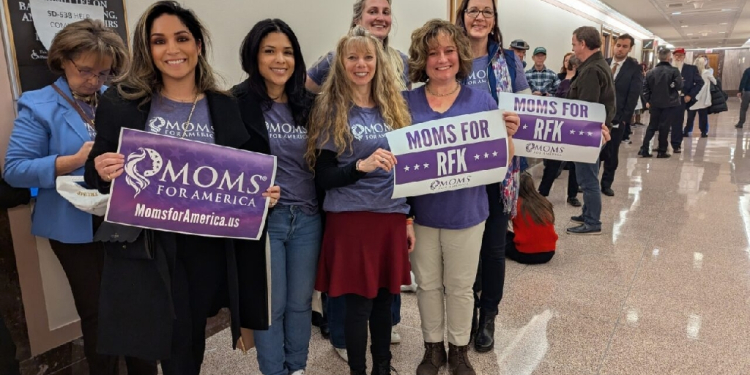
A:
(664, 290)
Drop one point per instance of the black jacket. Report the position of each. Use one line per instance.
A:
(718, 99)
(11, 197)
(593, 83)
(136, 312)
(628, 88)
(745, 82)
(663, 85)
(692, 81)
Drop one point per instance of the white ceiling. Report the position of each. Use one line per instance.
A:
(691, 23)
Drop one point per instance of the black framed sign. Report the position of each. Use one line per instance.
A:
(27, 53)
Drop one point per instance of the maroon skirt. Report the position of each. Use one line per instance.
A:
(363, 252)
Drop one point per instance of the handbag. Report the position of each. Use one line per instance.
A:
(126, 242)
(87, 200)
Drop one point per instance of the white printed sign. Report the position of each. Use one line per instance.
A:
(52, 16)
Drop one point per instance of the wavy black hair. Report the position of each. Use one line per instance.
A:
(300, 100)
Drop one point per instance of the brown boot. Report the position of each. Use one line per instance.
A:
(434, 358)
(458, 360)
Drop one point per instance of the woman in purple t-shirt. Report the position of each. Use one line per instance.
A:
(364, 256)
(450, 224)
(272, 58)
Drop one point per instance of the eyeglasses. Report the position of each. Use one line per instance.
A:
(87, 74)
(474, 13)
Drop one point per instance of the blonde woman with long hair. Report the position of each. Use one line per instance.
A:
(364, 255)
(377, 18)
(155, 304)
(702, 100)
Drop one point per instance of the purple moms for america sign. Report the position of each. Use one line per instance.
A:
(449, 154)
(190, 187)
(554, 128)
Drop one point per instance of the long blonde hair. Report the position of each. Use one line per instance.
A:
(329, 118)
(700, 63)
(393, 56)
(143, 79)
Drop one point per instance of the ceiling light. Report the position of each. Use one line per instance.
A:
(724, 23)
(727, 10)
(684, 26)
(722, 32)
(676, 13)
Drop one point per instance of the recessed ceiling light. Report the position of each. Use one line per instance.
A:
(684, 26)
(676, 13)
(724, 23)
(689, 34)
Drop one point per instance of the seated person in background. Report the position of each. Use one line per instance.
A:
(533, 239)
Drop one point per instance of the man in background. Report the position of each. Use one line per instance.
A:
(543, 81)
(692, 84)
(520, 47)
(744, 95)
(662, 95)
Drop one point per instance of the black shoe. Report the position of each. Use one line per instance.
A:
(580, 190)
(677, 150)
(324, 330)
(738, 126)
(646, 155)
(577, 219)
(574, 202)
(608, 192)
(485, 338)
(352, 372)
(474, 323)
(583, 229)
(704, 135)
(663, 155)
(383, 367)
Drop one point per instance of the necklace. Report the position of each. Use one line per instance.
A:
(190, 116)
(458, 85)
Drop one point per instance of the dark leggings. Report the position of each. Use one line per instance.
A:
(490, 278)
(358, 311)
(525, 258)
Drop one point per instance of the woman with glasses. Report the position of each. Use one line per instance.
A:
(52, 136)
(494, 70)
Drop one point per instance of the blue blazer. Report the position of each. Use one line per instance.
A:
(47, 126)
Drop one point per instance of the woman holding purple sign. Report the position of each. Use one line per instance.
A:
(159, 288)
(364, 256)
(494, 70)
(272, 58)
(52, 137)
(450, 224)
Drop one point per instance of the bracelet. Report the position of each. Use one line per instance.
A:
(409, 221)
(356, 165)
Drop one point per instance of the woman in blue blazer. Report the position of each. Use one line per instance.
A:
(52, 136)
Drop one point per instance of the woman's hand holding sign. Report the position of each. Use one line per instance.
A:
(512, 122)
(382, 159)
(606, 136)
(109, 165)
(274, 192)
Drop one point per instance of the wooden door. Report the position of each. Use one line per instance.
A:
(713, 62)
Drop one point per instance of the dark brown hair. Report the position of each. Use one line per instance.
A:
(627, 36)
(495, 35)
(534, 204)
(87, 36)
(590, 36)
(423, 37)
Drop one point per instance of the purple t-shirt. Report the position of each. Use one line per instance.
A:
(168, 117)
(288, 142)
(458, 209)
(319, 71)
(478, 77)
(371, 193)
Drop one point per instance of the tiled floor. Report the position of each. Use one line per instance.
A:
(665, 289)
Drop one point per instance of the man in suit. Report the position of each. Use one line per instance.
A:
(628, 79)
(692, 84)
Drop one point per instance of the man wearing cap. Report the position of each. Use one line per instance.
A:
(692, 84)
(520, 47)
(542, 81)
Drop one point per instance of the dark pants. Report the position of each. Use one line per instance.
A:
(743, 107)
(335, 313)
(490, 278)
(702, 121)
(525, 258)
(610, 155)
(677, 123)
(199, 289)
(551, 171)
(661, 118)
(83, 265)
(8, 361)
(628, 131)
(360, 310)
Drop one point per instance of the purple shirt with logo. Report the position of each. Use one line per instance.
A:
(478, 77)
(168, 117)
(457, 209)
(372, 192)
(288, 142)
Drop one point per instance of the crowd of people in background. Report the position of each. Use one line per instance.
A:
(333, 226)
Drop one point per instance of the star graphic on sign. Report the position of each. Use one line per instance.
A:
(590, 134)
(476, 157)
(573, 131)
(426, 165)
(525, 126)
(494, 154)
(581, 132)
(406, 168)
(416, 167)
(486, 155)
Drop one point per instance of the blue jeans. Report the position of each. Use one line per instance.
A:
(335, 310)
(295, 244)
(588, 178)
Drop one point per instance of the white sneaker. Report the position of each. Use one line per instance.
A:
(395, 337)
(342, 354)
(410, 288)
(298, 372)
